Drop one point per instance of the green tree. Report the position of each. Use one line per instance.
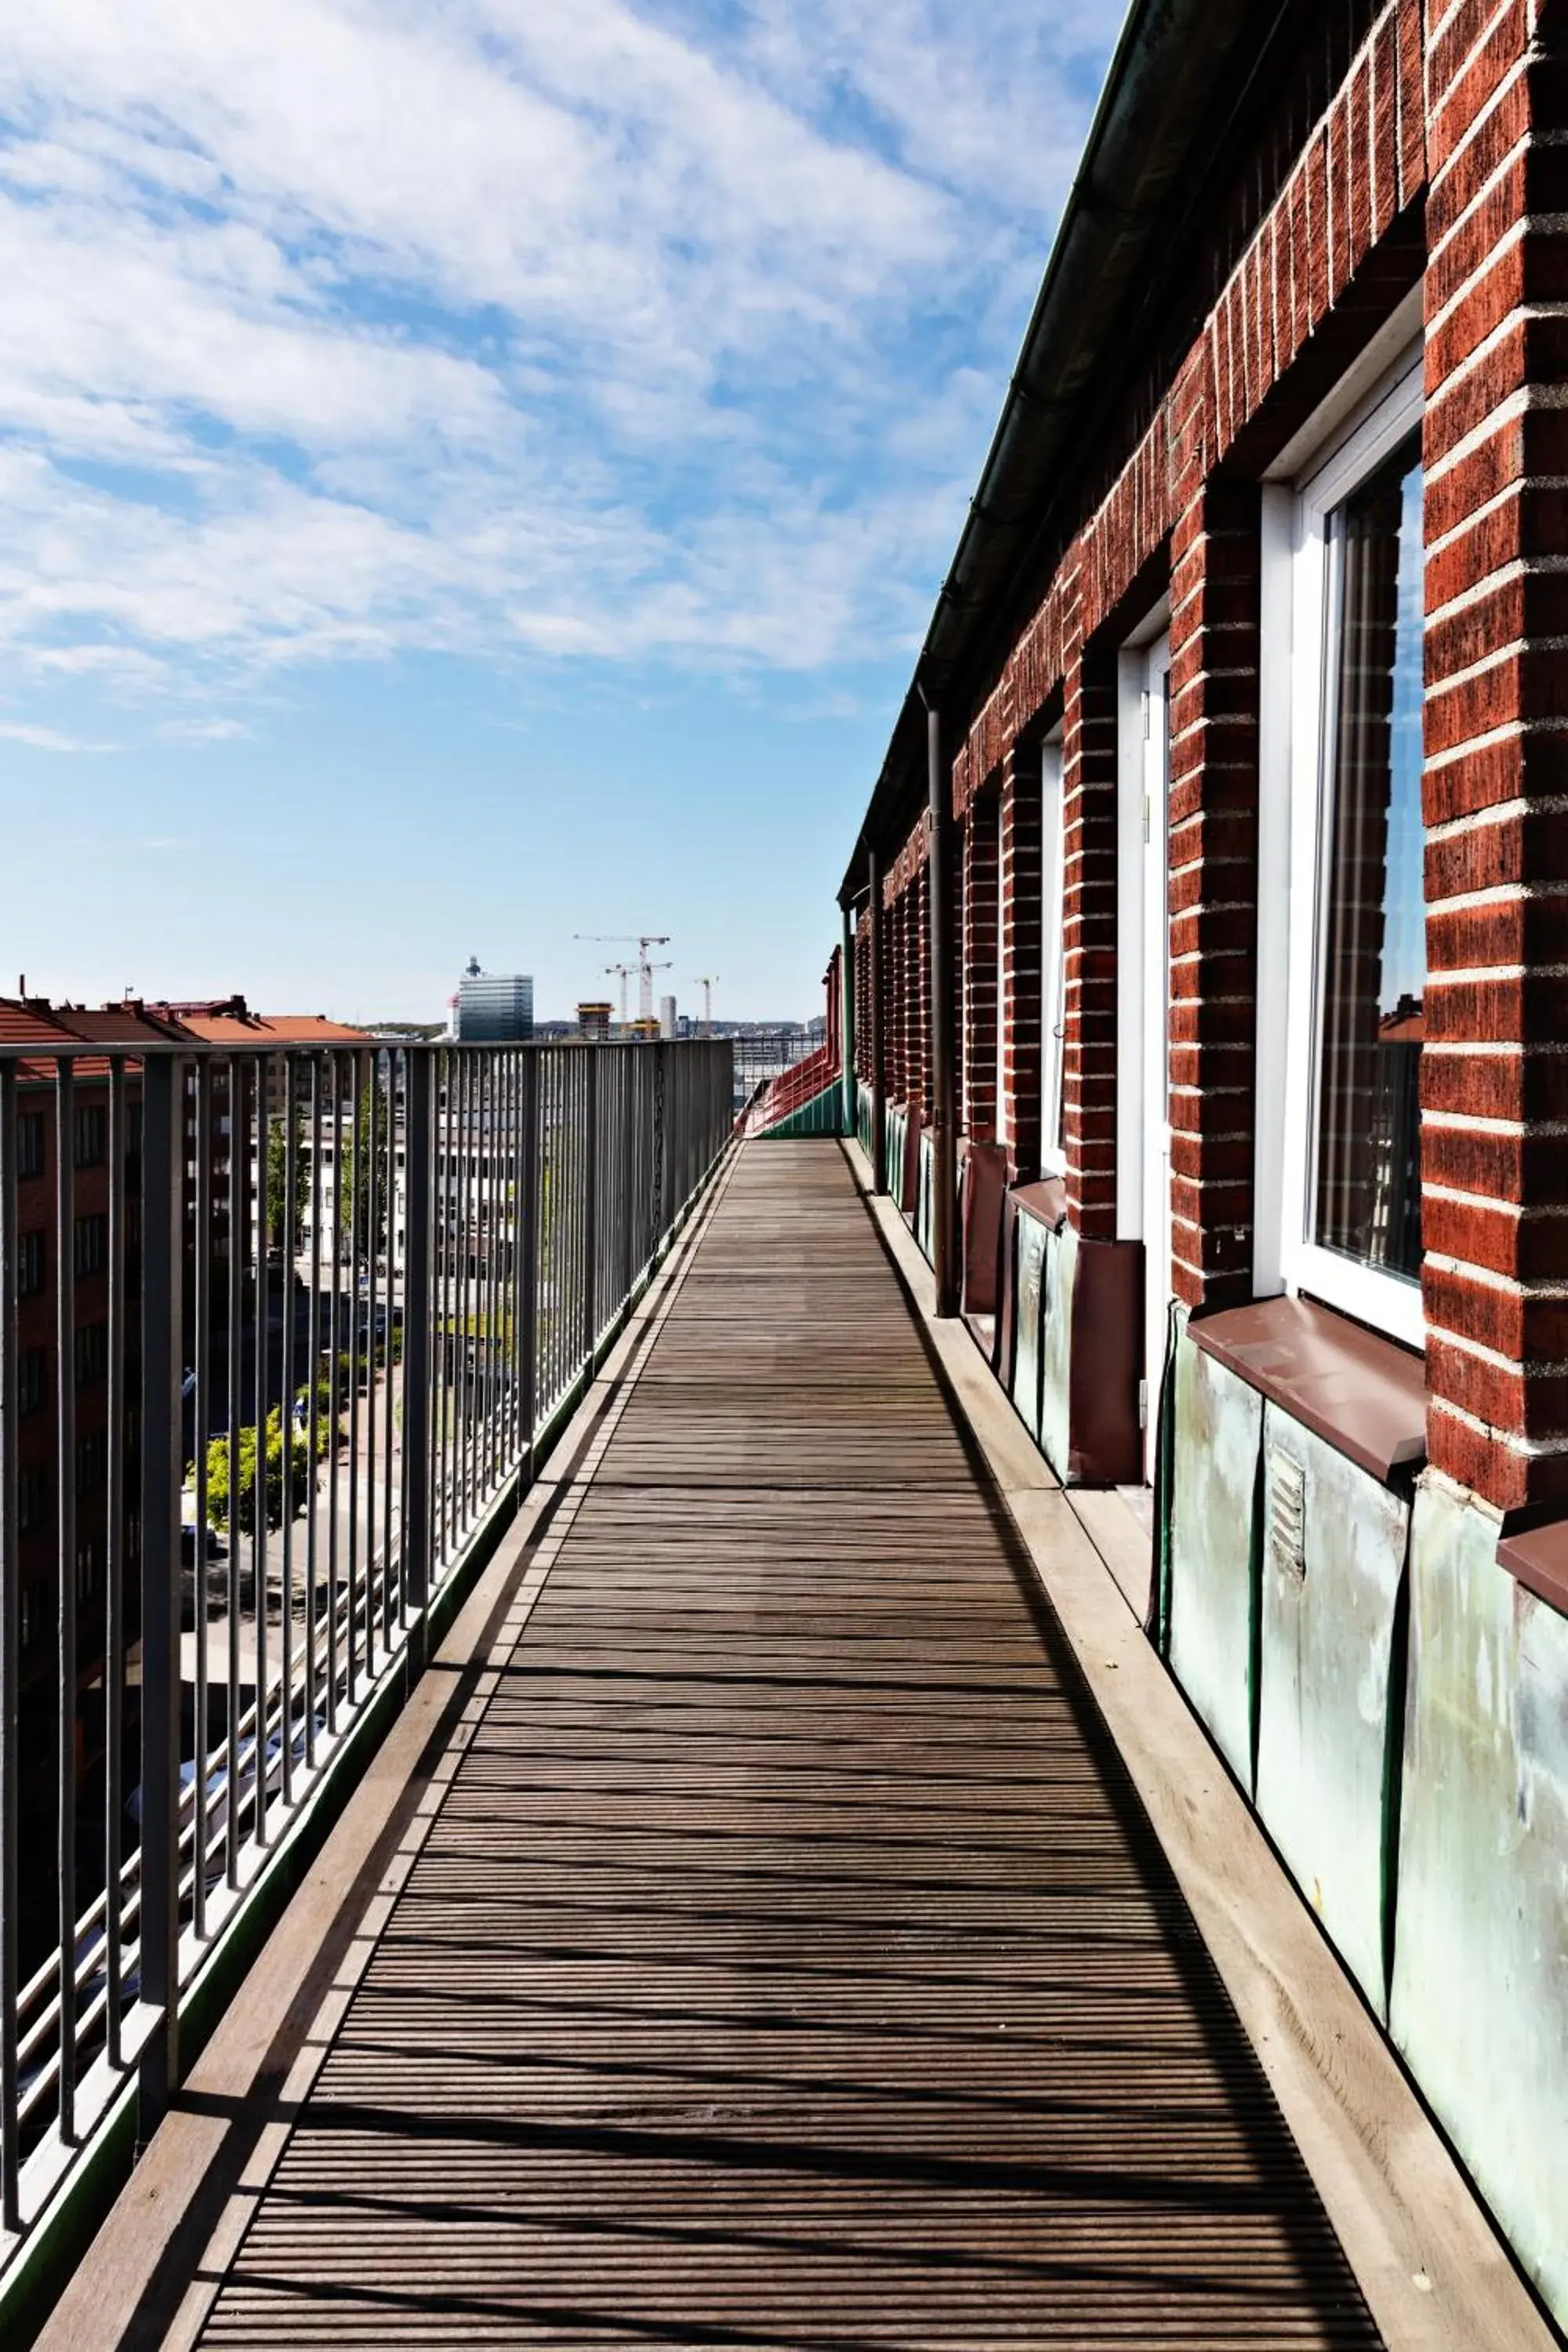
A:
(274, 1442)
(365, 1188)
(283, 1228)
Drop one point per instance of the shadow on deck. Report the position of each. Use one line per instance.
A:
(788, 1959)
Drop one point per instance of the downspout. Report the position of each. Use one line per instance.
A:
(879, 1031)
(944, 1140)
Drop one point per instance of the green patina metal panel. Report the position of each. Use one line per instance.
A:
(893, 1152)
(822, 1115)
(863, 1119)
(1061, 1266)
(1333, 1544)
(924, 1197)
(1029, 1300)
(1479, 2004)
(1212, 1562)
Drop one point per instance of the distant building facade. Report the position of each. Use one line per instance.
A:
(493, 1008)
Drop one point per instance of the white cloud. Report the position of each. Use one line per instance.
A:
(50, 739)
(205, 731)
(548, 326)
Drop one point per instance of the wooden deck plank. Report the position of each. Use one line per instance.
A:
(789, 1961)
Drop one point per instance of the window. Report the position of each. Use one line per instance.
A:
(32, 1500)
(91, 1353)
(1053, 972)
(32, 1379)
(30, 1143)
(1367, 1139)
(92, 1231)
(29, 1264)
(86, 1567)
(91, 1461)
(88, 1136)
(1353, 973)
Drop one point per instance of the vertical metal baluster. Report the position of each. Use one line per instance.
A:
(335, 1321)
(459, 1147)
(440, 1340)
(470, 1074)
(478, 1396)
(65, 1530)
(313, 1430)
(162, 1134)
(237, 1245)
(356, 1238)
(10, 1650)
(526, 1213)
(591, 1209)
(516, 1440)
(373, 1415)
(471, 1293)
(417, 1353)
(391, 1605)
(286, 1615)
(629, 1176)
(259, 1548)
(201, 1317)
(114, 1569)
(494, 1352)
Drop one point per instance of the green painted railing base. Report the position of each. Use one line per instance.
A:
(822, 1115)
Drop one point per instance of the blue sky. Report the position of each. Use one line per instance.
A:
(475, 472)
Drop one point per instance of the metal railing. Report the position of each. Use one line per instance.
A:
(280, 1335)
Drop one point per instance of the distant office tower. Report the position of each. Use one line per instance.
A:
(667, 1016)
(494, 1008)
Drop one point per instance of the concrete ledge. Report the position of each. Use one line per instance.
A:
(1435, 2275)
(148, 2277)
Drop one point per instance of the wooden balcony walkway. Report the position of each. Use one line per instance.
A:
(789, 1961)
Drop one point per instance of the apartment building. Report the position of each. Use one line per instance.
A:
(1204, 926)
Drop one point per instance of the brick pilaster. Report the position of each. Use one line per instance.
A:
(920, 916)
(1214, 891)
(894, 1026)
(980, 868)
(1494, 1079)
(1021, 899)
(1088, 835)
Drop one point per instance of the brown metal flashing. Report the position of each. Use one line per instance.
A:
(1046, 1200)
(1538, 1558)
(984, 1181)
(1355, 1390)
(910, 1175)
(1105, 1439)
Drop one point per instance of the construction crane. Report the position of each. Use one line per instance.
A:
(707, 981)
(622, 971)
(642, 943)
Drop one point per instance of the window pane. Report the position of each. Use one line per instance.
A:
(1368, 1202)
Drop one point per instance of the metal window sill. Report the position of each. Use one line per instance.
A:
(1537, 1558)
(1360, 1393)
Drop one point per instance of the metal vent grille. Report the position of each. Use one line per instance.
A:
(1287, 1514)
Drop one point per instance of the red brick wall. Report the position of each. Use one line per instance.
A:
(1213, 836)
(977, 961)
(1472, 93)
(1021, 890)
(1088, 930)
(1494, 1079)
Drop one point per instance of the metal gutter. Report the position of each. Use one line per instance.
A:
(1171, 60)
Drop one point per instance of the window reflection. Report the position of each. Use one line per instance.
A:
(1368, 1177)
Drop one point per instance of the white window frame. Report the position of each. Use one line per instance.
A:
(1299, 618)
(1053, 954)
